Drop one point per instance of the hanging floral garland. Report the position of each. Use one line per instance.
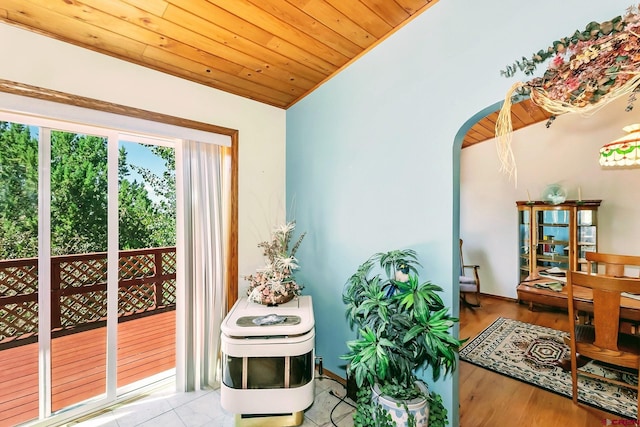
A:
(587, 71)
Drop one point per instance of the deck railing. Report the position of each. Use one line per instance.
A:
(146, 284)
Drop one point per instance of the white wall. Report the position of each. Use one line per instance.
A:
(36, 60)
(565, 153)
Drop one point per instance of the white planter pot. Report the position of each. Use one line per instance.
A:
(419, 407)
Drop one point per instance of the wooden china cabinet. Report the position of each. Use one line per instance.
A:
(553, 239)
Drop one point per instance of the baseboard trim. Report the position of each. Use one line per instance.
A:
(500, 297)
(333, 376)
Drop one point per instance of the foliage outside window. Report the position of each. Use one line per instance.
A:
(79, 196)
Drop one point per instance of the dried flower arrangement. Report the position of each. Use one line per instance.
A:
(586, 71)
(588, 65)
(274, 283)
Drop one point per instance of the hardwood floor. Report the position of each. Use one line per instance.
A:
(490, 399)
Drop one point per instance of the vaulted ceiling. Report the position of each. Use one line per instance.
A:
(272, 51)
(523, 114)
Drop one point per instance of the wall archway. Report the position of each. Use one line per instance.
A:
(456, 151)
(457, 148)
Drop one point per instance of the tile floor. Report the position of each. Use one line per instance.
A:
(165, 407)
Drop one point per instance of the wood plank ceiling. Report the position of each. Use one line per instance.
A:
(523, 114)
(272, 51)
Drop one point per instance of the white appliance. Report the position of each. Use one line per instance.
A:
(268, 358)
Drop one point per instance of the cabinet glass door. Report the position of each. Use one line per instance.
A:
(524, 233)
(586, 225)
(552, 239)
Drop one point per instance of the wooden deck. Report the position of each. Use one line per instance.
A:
(146, 346)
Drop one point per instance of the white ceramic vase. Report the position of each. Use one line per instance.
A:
(419, 407)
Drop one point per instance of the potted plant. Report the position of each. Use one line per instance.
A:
(403, 326)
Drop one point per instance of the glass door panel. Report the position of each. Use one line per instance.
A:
(78, 268)
(19, 393)
(553, 239)
(586, 224)
(147, 279)
(524, 233)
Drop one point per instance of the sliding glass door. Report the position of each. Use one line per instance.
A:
(87, 267)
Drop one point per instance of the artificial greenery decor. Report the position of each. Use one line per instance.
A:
(369, 414)
(437, 411)
(403, 326)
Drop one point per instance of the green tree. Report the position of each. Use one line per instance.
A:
(137, 213)
(18, 192)
(78, 193)
(164, 186)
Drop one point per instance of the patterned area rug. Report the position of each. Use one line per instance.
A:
(531, 354)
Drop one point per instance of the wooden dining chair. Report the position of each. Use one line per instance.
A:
(614, 264)
(469, 284)
(602, 340)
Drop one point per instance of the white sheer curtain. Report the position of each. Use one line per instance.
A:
(200, 263)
